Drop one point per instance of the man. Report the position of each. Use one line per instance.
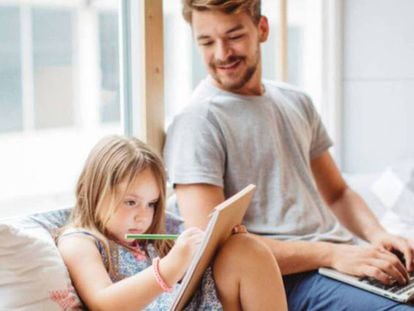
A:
(238, 130)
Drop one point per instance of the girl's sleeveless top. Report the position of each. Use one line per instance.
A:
(126, 262)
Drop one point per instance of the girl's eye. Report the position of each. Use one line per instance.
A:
(153, 205)
(130, 203)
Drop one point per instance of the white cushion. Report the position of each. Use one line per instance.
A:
(362, 184)
(388, 187)
(33, 275)
(389, 196)
(395, 188)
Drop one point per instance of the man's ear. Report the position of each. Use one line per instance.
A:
(263, 27)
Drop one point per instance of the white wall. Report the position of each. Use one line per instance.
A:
(378, 84)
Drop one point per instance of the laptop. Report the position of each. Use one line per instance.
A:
(400, 293)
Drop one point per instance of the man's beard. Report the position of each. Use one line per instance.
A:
(237, 83)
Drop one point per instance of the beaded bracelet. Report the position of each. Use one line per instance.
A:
(156, 267)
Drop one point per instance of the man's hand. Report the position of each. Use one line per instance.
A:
(369, 261)
(390, 242)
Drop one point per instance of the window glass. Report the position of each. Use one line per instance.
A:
(53, 67)
(11, 114)
(108, 49)
(59, 73)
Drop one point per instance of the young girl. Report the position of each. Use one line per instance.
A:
(122, 190)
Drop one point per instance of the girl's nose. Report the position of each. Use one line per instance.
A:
(140, 214)
(139, 222)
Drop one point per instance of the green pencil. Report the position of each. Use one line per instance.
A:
(151, 236)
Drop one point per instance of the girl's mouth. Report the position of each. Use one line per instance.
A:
(135, 231)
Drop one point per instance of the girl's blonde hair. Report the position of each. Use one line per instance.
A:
(113, 160)
(251, 7)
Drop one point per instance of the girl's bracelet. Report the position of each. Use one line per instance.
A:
(156, 267)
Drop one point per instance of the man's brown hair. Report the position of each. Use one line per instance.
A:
(251, 7)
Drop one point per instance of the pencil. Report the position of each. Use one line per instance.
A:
(151, 236)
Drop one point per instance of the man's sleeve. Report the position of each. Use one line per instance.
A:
(320, 139)
(194, 151)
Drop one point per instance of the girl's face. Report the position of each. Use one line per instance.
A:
(135, 212)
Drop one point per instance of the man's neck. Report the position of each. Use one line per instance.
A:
(251, 88)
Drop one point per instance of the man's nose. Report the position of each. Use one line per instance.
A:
(223, 51)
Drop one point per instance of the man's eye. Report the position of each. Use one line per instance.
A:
(236, 37)
(206, 43)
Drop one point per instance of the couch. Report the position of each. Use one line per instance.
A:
(34, 277)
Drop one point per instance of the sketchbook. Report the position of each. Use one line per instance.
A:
(222, 220)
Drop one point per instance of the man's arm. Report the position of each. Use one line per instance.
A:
(352, 211)
(347, 205)
(196, 202)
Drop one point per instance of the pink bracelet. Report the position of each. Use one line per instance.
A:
(156, 266)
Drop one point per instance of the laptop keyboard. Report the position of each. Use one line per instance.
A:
(395, 288)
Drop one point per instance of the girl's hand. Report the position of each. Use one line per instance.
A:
(239, 229)
(188, 242)
(184, 249)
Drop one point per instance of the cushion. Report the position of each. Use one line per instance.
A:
(395, 188)
(173, 223)
(362, 184)
(388, 195)
(33, 275)
(388, 187)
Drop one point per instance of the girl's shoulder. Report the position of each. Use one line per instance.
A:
(72, 235)
(76, 232)
(68, 231)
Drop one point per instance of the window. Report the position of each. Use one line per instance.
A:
(10, 73)
(109, 62)
(53, 76)
(60, 82)
(59, 93)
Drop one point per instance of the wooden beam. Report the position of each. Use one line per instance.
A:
(152, 118)
(283, 41)
(333, 65)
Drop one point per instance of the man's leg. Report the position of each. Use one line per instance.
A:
(311, 291)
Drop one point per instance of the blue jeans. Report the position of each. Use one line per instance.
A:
(312, 291)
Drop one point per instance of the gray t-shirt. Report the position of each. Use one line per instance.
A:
(230, 140)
